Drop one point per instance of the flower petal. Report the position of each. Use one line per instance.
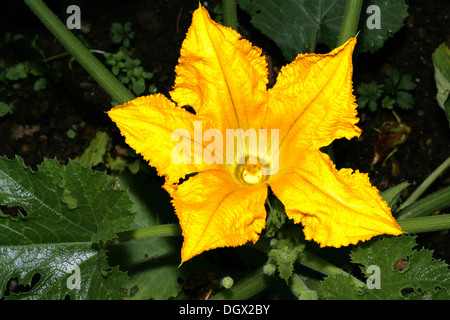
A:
(214, 212)
(149, 123)
(220, 75)
(315, 91)
(336, 208)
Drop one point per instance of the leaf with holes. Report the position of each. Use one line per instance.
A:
(395, 270)
(66, 214)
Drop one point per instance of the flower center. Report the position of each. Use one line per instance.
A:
(251, 172)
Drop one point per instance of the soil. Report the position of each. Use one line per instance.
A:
(38, 127)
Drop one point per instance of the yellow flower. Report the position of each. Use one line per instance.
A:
(224, 79)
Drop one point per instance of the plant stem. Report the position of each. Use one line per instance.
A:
(90, 63)
(350, 22)
(230, 14)
(312, 261)
(425, 224)
(300, 289)
(164, 230)
(425, 184)
(434, 202)
(246, 287)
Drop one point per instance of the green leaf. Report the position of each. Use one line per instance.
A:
(138, 86)
(441, 62)
(363, 102)
(406, 83)
(69, 212)
(403, 273)
(340, 287)
(405, 100)
(296, 26)
(117, 33)
(35, 46)
(392, 80)
(40, 84)
(388, 102)
(287, 252)
(276, 217)
(5, 109)
(152, 263)
(37, 69)
(368, 94)
(300, 289)
(71, 134)
(392, 195)
(18, 71)
(95, 153)
(392, 14)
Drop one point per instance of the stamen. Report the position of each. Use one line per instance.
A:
(251, 172)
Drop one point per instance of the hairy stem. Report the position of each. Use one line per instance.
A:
(351, 19)
(425, 224)
(230, 14)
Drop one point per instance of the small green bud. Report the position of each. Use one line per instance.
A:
(269, 269)
(227, 282)
(274, 243)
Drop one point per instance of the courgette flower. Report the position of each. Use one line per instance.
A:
(219, 189)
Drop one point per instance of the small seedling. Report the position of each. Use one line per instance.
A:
(369, 93)
(129, 71)
(393, 92)
(72, 132)
(15, 74)
(398, 86)
(9, 38)
(122, 34)
(5, 109)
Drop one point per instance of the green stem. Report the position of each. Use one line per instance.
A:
(230, 14)
(312, 261)
(351, 19)
(300, 289)
(434, 202)
(245, 288)
(95, 68)
(425, 184)
(425, 224)
(164, 230)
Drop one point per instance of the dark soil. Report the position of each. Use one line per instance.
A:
(38, 126)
